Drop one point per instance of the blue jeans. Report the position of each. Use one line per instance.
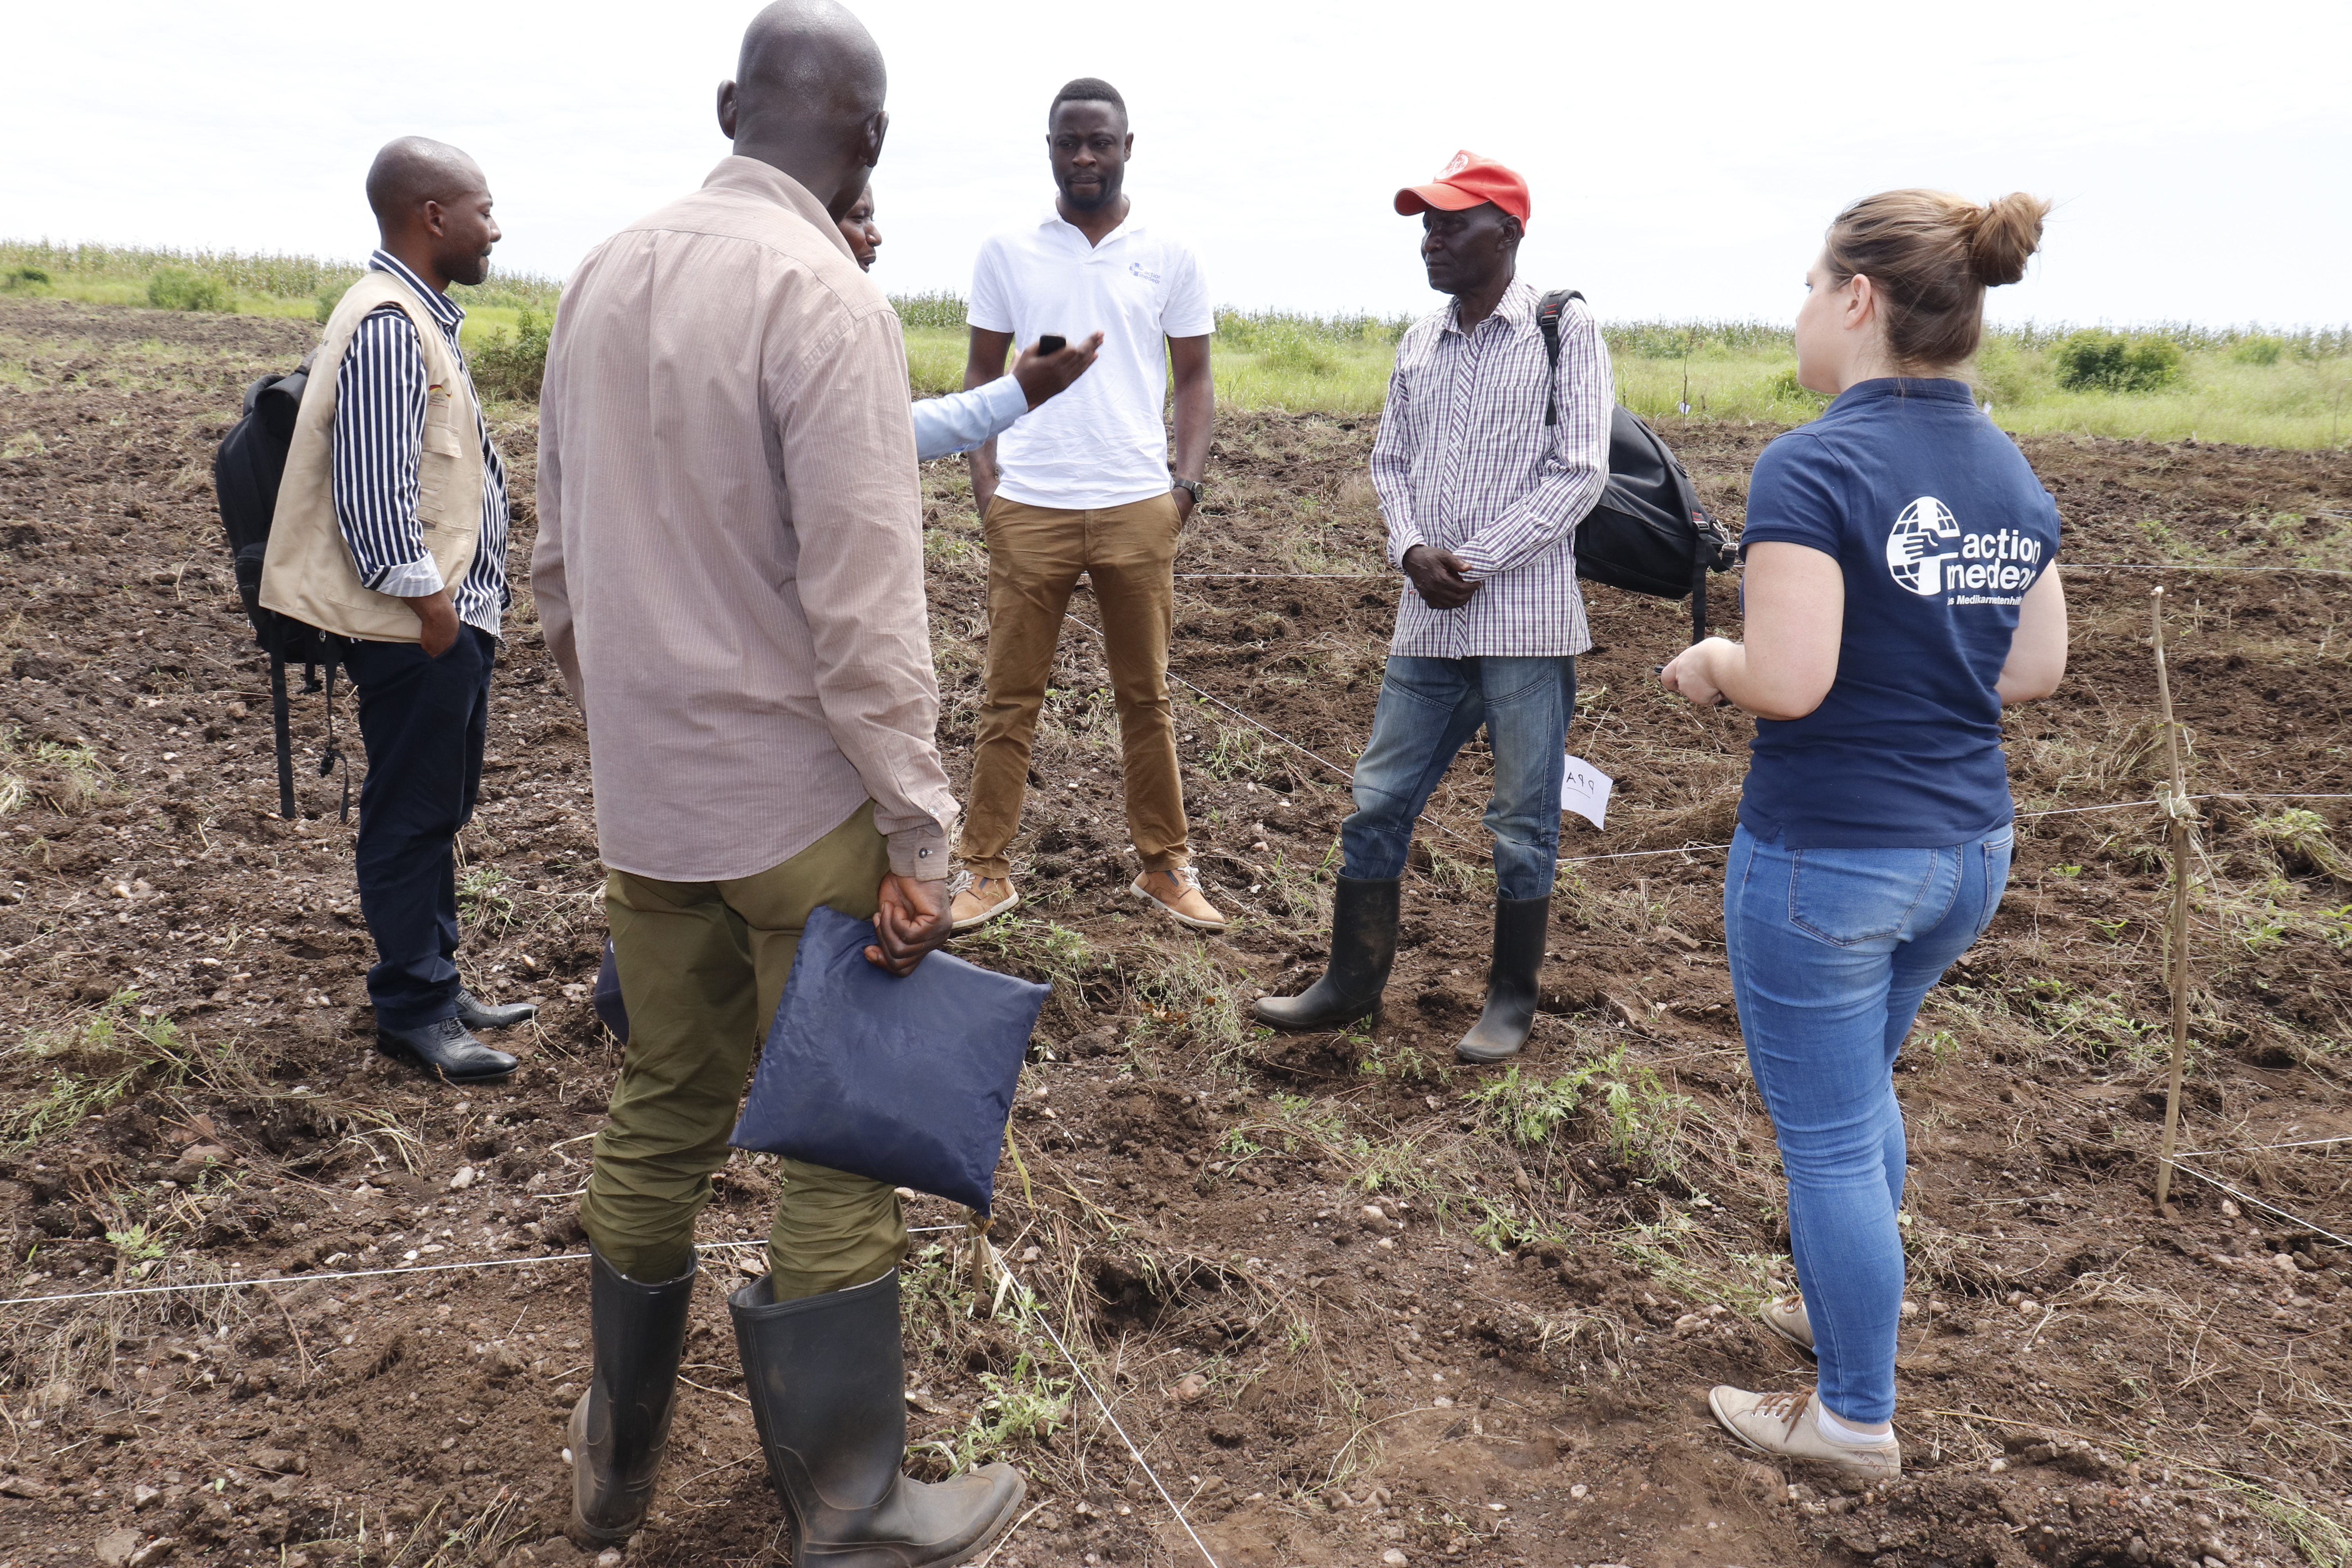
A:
(1832, 951)
(423, 720)
(1429, 708)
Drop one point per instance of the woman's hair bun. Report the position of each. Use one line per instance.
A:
(2005, 235)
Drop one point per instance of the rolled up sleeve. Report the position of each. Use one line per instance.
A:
(380, 407)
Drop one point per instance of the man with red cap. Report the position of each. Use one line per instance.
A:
(1489, 456)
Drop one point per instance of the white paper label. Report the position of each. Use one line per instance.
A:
(1584, 790)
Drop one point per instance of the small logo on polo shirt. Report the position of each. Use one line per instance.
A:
(1915, 552)
(1138, 270)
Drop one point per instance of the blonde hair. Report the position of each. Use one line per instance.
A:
(1931, 255)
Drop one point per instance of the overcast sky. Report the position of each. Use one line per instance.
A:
(1683, 158)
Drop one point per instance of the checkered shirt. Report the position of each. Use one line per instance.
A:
(1465, 462)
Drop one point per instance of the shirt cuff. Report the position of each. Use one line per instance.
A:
(920, 853)
(1401, 544)
(1004, 401)
(412, 580)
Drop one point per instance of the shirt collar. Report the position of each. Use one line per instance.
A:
(1932, 389)
(770, 184)
(445, 309)
(1130, 227)
(1516, 309)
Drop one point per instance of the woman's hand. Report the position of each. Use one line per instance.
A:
(1693, 671)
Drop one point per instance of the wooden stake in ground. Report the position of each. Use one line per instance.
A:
(2178, 819)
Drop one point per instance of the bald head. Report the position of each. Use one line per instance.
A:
(432, 208)
(414, 170)
(807, 99)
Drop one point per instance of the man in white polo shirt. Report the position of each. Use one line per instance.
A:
(1084, 485)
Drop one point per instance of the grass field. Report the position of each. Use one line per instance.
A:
(2247, 385)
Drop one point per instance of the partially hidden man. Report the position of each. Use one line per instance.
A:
(391, 535)
(1482, 497)
(730, 570)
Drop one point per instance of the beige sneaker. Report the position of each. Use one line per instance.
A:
(1786, 1317)
(1781, 1424)
(980, 900)
(1178, 892)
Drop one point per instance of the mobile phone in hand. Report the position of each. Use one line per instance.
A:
(1052, 345)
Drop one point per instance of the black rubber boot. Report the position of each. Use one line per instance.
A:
(1510, 1012)
(1363, 947)
(828, 1384)
(621, 1426)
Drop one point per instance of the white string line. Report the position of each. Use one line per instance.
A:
(1027, 1303)
(2243, 1196)
(1343, 772)
(2068, 566)
(373, 1273)
(2054, 811)
(2263, 1148)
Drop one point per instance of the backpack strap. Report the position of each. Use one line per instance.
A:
(1700, 554)
(333, 753)
(1547, 310)
(277, 718)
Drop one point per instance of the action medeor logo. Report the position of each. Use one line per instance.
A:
(1923, 537)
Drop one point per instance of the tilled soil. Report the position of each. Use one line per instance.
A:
(1353, 1304)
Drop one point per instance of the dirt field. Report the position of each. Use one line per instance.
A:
(1355, 1304)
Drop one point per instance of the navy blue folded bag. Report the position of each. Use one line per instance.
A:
(906, 1081)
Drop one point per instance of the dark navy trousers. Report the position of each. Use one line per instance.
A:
(423, 720)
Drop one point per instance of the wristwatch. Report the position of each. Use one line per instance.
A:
(1193, 485)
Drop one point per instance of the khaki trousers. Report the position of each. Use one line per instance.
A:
(1036, 556)
(702, 966)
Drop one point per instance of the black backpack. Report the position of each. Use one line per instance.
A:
(247, 472)
(1648, 533)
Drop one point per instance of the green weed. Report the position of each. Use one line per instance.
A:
(137, 1245)
(1022, 1406)
(481, 899)
(93, 1063)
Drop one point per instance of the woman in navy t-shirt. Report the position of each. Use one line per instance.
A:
(1900, 586)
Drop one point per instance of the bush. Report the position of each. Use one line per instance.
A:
(24, 280)
(329, 298)
(2096, 361)
(2260, 349)
(513, 366)
(177, 289)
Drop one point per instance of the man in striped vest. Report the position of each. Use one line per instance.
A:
(391, 533)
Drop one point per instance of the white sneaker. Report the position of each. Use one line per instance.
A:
(1788, 1317)
(1782, 1425)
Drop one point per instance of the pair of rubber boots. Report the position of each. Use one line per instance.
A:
(826, 1381)
(1363, 947)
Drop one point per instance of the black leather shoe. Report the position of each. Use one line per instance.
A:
(447, 1050)
(473, 1016)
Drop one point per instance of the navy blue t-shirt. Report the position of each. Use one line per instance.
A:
(1940, 527)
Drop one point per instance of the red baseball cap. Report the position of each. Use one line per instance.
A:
(1467, 181)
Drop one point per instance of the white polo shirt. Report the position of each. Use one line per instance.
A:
(1102, 442)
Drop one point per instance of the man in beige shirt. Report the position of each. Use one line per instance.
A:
(730, 573)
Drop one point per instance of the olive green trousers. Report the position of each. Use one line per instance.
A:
(702, 967)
